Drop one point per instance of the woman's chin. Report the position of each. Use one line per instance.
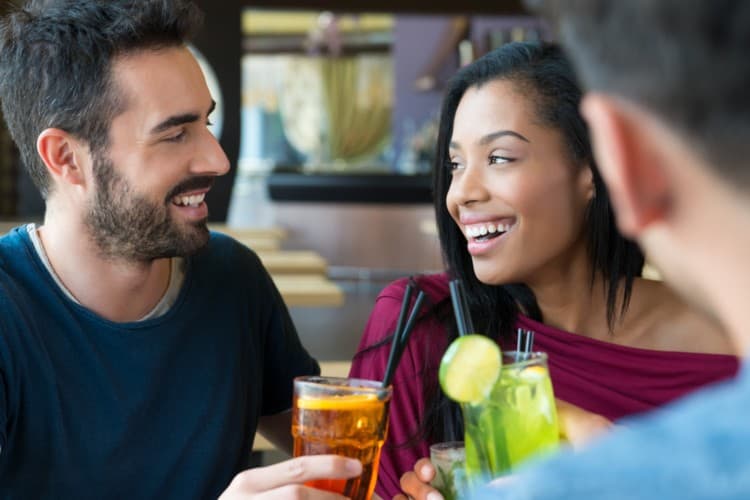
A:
(492, 277)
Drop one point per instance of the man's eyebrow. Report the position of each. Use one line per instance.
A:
(491, 137)
(174, 121)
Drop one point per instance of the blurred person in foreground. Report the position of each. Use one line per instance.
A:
(138, 351)
(669, 112)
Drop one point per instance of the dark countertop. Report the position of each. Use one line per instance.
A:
(350, 188)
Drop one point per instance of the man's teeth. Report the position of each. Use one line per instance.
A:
(484, 229)
(189, 201)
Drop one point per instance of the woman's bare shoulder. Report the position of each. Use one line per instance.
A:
(662, 320)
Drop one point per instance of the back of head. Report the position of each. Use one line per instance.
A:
(685, 60)
(56, 59)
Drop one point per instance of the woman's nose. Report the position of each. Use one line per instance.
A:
(468, 185)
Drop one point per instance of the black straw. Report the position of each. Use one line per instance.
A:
(465, 304)
(398, 344)
(404, 338)
(401, 338)
(459, 307)
(391, 365)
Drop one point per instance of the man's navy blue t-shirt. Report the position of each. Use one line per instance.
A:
(163, 408)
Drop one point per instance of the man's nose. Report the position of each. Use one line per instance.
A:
(211, 158)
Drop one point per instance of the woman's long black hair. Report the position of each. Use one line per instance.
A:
(542, 73)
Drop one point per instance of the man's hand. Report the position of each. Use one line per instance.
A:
(416, 483)
(286, 480)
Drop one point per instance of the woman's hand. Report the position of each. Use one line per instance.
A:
(579, 426)
(416, 483)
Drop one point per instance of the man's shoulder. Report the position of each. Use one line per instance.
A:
(16, 278)
(227, 266)
(225, 252)
(11, 243)
(12, 251)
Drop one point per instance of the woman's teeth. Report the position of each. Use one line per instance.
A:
(479, 231)
(189, 201)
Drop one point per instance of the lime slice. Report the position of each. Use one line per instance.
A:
(469, 368)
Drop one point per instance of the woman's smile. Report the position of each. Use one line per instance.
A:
(483, 233)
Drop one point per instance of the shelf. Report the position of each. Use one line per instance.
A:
(350, 188)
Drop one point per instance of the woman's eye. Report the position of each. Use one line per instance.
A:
(453, 165)
(209, 123)
(495, 159)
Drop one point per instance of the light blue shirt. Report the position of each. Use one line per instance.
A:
(698, 447)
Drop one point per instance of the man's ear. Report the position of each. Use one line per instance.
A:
(63, 155)
(629, 161)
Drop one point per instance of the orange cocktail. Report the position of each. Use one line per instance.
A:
(341, 416)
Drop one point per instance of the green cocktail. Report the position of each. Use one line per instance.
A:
(517, 421)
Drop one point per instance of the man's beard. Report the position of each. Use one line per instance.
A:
(128, 226)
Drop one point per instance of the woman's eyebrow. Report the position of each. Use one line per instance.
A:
(500, 133)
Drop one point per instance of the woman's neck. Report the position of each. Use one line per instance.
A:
(567, 297)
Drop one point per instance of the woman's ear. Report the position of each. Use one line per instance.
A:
(629, 162)
(63, 156)
(586, 183)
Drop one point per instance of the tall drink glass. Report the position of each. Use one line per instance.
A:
(517, 421)
(341, 416)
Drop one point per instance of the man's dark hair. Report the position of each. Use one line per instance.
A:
(56, 65)
(687, 61)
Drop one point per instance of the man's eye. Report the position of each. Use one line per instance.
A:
(177, 137)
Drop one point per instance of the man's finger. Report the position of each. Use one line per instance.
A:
(297, 471)
(296, 491)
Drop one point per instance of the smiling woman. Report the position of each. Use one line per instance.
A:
(510, 170)
(525, 222)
